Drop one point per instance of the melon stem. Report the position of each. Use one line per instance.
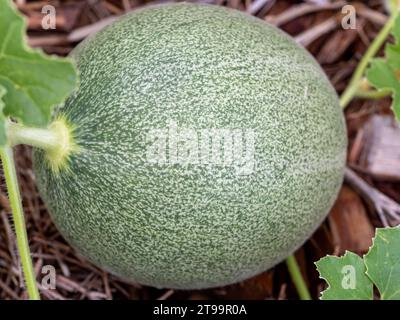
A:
(45, 139)
(56, 140)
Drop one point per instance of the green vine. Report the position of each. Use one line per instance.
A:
(297, 278)
(373, 94)
(6, 154)
(354, 87)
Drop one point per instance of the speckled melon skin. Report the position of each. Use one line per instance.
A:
(195, 226)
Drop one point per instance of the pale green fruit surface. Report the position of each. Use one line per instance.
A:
(195, 224)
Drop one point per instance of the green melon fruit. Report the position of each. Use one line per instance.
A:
(211, 146)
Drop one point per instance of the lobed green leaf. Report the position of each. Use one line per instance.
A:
(383, 263)
(34, 82)
(384, 74)
(346, 278)
(351, 277)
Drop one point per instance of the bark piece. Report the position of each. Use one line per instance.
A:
(349, 222)
(381, 153)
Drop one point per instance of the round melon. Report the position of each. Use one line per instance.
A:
(210, 147)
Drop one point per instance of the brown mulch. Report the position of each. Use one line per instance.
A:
(349, 226)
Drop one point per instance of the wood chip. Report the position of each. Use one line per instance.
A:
(381, 153)
(310, 35)
(257, 5)
(336, 46)
(300, 10)
(349, 223)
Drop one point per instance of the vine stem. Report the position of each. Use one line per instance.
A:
(355, 81)
(373, 94)
(6, 154)
(297, 278)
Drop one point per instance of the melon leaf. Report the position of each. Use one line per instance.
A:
(351, 277)
(346, 278)
(384, 74)
(34, 82)
(383, 263)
